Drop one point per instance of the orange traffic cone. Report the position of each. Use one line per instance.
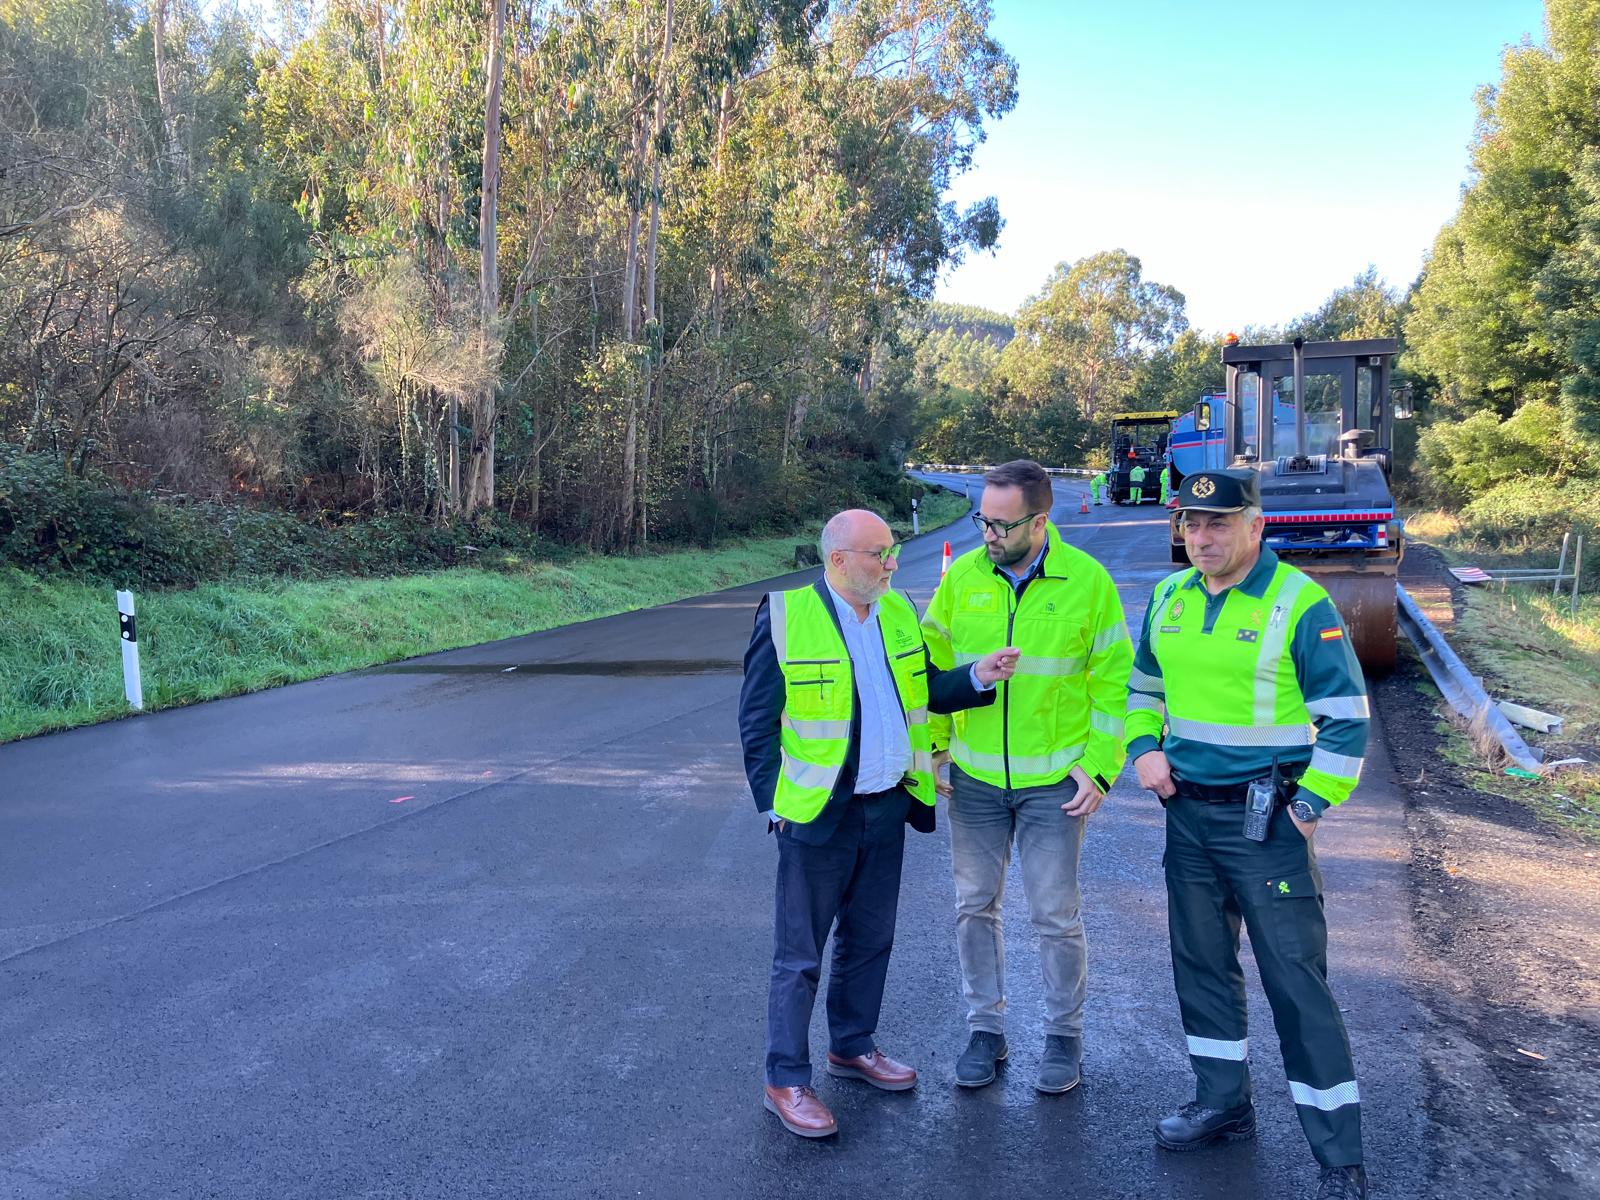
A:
(1083, 502)
(946, 565)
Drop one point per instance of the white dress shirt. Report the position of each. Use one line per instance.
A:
(885, 751)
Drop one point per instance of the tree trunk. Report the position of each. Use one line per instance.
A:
(382, 39)
(480, 491)
(652, 320)
(630, 331)
(158, 39)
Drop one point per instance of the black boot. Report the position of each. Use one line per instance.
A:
(977, 1063)
(1195, 1125)
(1343, 1183)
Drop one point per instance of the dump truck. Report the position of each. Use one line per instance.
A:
(1315, 422)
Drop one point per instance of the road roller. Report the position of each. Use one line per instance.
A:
(1314, 421)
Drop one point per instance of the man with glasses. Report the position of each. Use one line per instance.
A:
(1031, 767)
(839, 754)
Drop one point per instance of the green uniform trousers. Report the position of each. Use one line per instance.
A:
(1215, 877)
(1136, 494)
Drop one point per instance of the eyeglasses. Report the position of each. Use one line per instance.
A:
(999, 528)
(883, 556)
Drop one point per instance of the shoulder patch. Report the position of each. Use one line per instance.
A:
(1333, 634)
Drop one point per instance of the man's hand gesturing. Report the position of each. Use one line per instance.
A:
(998, 666)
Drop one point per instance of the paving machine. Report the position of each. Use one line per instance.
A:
(1138, 439)
(1314, 420)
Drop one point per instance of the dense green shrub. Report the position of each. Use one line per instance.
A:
(90, 528)
(50, 522)
(1535, 512)
(1467, 458)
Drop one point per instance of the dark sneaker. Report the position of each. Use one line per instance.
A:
(1195, 1125)
(976, 1066)
(1058, 1069)
(1343, 1183)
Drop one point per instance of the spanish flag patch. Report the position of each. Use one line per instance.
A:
(1329, 635)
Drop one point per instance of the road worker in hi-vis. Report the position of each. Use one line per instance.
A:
(1247, 716)
(1136, 484)
(1097, 485)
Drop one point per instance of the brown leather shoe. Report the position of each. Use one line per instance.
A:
(800, 1111)
(876, 1068)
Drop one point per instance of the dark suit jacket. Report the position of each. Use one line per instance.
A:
(761, 708)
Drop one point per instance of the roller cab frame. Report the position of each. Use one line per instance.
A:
(1315, 422)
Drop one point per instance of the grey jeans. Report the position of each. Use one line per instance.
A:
(983, 822)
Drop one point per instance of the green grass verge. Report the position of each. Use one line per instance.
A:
(61, 664)
(939, 509)
(1530, 649)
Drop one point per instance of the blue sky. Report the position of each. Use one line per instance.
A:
(1253, 155)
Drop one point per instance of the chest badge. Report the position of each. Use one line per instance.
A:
(1255, 617)
(1175, 610)
(1247, 635)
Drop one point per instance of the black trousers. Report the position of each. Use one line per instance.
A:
(1217, 877)
(850, 884)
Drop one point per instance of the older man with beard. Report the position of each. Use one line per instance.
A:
(839, 754)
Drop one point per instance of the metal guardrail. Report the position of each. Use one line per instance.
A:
(978, 468)
(1460, 686)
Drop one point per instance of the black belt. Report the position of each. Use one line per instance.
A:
(1230, 793)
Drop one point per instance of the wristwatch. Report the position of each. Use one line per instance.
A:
(1303, 811)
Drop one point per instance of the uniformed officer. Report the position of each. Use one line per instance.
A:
(1097, 485)
(1136, 483)
(1243, 673)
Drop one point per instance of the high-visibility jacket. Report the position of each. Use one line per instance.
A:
(819, 697)
(1063, 707)
(1224, 684)
(1136, 475)
(1098, 482)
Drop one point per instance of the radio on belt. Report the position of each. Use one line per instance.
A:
(1258, 802)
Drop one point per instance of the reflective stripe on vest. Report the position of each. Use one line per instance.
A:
(1230, 687)
(819, 697)
(1042, 721)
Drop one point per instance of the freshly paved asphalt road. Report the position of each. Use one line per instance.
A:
(455, 930)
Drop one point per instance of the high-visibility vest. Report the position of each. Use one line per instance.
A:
(1238, 687)
(1063, 707)
(819, 697)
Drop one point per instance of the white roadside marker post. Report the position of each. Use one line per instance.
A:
(130, 652)
(916, 524)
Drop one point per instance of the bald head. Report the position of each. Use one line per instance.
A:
(851, 542)
(854, 527)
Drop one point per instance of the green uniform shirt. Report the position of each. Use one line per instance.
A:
(1325, 670)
